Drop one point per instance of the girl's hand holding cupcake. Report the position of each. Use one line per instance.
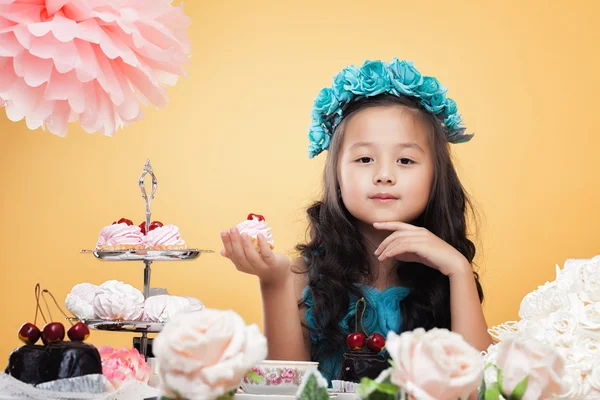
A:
(249, 246)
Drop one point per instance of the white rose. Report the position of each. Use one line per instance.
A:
(542, 302)
(204, 355)
(569, 278)
(575, 387)
(590, 317)
(594, 378)
(437, 364)
(591, 281)
(526, 357)
(535, 330)
(563, 322)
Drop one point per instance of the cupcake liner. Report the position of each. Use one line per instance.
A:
(344, 386)
(81, 384)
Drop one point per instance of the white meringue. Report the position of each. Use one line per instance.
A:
(119, 301)
(163, 308)
(195, 304)
(80, 301)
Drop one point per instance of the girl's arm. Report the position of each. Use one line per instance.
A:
(287, 338)
(416, 244)
(281, 290)
(465, 308)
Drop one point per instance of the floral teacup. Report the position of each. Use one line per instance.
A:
(276, 377)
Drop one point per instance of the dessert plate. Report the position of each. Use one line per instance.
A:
(247, 396)
(147, 255)
(120, 326)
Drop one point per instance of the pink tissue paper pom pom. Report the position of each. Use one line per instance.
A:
(92, 61)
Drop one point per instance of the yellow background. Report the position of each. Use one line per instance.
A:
(233, 140)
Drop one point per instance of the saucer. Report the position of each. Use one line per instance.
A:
(247, 396)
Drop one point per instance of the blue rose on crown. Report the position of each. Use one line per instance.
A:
(374, 78)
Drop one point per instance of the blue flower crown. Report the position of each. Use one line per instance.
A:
(374, 78)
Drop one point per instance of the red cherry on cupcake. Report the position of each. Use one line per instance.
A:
(53, 332)
(78, 332)
(155, 224)
(376, 343)
(29, 333)
(125, 221)
(356, 341)
(251, 216)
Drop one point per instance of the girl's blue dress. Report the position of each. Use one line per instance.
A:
(382, 314)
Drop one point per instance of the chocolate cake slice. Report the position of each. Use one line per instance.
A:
(36, 364)
(357, 365)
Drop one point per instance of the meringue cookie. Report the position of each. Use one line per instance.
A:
(195, 304)
(119, 301)
(163, 308)
(80, 302)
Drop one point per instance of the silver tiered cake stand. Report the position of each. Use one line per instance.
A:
(148, 257)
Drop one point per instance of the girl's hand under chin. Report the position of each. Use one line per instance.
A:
(414, 244)
(270, 267)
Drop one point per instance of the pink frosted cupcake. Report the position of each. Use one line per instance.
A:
(121, 235)
(165, 237)
(252, 226)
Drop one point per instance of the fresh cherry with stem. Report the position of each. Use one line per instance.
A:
(29, 333)
(356, 340)
(78, 332)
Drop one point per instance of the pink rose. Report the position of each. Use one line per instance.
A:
(288, 375)
(122, 365)
(205, 355)
(434, 365)
(521, 357)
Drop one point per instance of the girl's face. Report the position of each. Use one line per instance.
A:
(385, 165)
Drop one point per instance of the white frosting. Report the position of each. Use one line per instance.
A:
(255, 226)
(163, 308)
(80, 302)
(118, 301)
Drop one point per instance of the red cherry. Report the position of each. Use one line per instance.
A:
(53, 332)
(125, 221)
(155, 224)
(260, 217)
(29, 333)
(78, 332)
(114, 223)
(376, 343)
(143, 227)
(356, 341)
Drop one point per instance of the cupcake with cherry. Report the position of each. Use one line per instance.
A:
(124, 235)
(365, 356)
(254, 225)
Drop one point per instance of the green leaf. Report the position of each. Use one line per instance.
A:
(519, 390)
(227, 396)
(500, 383)
(312, 390)
(370, 389)
(492, 392)
(481, 393)
(254, 377)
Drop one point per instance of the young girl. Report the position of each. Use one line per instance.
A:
(389, 232)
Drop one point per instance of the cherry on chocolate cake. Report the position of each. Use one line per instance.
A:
(361, 362)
